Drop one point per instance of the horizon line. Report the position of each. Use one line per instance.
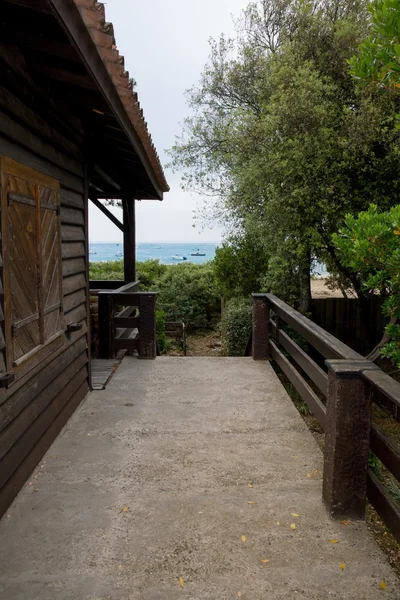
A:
(157, 242)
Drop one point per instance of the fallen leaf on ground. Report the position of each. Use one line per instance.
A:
(250, 502)
(250, 485)
(120, 568)
(342, 566)
(243, 539)
(345, 522)
(308, 475)
(278, 522)
(36, 490)
(294, 515)
(181, 583)
(125, 509)
(333, 541)
(53, 456)
(89, 435)
(293, 526)
(315, 471)
(382, 584)
(239, 594)
(264, 561)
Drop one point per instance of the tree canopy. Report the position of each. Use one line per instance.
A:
(378, 59)
(283, 142)
(369, 245)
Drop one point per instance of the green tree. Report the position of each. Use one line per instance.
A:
(240, 264)
(378, 59)
(283, 139)
(369, 245)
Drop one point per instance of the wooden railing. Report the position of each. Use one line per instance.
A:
(177, 330)
(127, 320)
(339, 386)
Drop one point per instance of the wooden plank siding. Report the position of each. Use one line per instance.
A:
(341, 317)
(37, 405)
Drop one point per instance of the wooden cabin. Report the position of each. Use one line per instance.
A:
(71, 130)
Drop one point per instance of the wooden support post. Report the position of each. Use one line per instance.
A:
(261, 331)
(147, 325)
(347, 431)
(106, 325)
(129, 239)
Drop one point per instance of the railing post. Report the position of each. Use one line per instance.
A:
(106, 325)
(147, 325)
(261, 331)
(347, 431)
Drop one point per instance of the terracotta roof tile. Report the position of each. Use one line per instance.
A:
(102, 33)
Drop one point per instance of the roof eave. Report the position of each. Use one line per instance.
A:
(70, 19)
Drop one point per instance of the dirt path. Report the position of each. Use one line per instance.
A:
(204, 344)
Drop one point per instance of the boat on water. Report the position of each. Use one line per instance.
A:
(118, 254)
(197, 254)
(179, 257)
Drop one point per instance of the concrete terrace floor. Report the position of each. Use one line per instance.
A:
(158, 478)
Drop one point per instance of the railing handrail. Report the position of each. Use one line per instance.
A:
(351, 382)
(334, 348)
(324, 342)
(384, 384)
(105, 284)
(128, 288)
(124, 289)
(138, 332)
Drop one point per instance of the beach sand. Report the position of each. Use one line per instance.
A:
(320, 290)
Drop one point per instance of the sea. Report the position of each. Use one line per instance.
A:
(166, 253)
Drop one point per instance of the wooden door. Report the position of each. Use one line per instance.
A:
(32, 261)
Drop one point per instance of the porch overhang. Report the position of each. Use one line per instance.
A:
(71, 51)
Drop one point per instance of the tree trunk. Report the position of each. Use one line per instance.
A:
(376, 352)
(346, 272)
(305, 284)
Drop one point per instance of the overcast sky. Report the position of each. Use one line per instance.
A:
(165, 44)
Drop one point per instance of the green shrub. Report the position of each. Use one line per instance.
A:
(148, 272)
(236, 326)
(162, 341)
(189, 293)
(186, 292)
(108, 270)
